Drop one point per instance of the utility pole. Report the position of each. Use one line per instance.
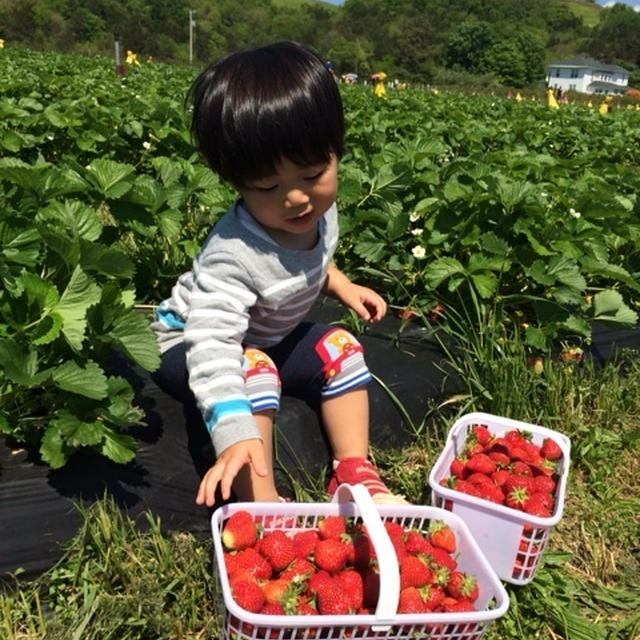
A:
(191, 25)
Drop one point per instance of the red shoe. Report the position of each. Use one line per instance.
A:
(361, 471)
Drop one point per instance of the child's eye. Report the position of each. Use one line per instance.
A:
(316, 175)
(266, 189)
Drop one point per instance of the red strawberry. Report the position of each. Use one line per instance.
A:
(516, 437)
(277, 547)
(481, 433)
(240, 531)
(491, 492)
(537, 505)
(441, 535)
(254, 562)
(330, 555)
(466, 487)
(332, 600)
(451, 605)
(248, 595)
(501, 445)
(316, 581)
(299, 571)
(550, 449)
(518, 482)
(521, 468)
(414, 572)
(396, 535)
(481, 463)
(332, 527)
(371, 586)
(440, 558)
(352, 584)
(272, 609)
(304, 542)
(462, 586)
(363, 551)
(433, 596)
(415, 542)
(305, 607)
(516, 498)
(457, 466)
(501, 459)
(478, 479)
(500, 476)
(411, 601)
(543, 483)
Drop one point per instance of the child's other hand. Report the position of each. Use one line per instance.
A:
(226, 467)
(368, 304)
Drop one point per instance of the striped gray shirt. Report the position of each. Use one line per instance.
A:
(243, 289)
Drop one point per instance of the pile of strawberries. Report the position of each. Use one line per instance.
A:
(332, 569)
(509, 469)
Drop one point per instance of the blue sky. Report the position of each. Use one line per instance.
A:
(605, 3)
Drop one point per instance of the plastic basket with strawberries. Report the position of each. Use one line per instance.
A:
(351, 569)
(507, 480)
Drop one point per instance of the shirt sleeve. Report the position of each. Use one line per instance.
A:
(214, 331)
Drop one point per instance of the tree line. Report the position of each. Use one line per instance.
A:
(468, 41)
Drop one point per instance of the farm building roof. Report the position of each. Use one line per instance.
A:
(587, 62)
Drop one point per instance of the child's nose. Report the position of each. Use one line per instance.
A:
(295, 198)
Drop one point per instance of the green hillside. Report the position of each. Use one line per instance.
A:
(588, 12)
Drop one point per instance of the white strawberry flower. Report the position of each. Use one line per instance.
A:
(414, 216)
(418, 252)
(416, 232)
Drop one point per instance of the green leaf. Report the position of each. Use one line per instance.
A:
(117, 446)
(132, 332)
(89, 380)
(19, 365)
(441, 269)
(74, 217)
(105, 260)
(485, 283)
(609, 306)
(52, 447)
(47, 330)
(112, 178)
(535, 337)
(81, 293)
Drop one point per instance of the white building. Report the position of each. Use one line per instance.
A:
(587, 75)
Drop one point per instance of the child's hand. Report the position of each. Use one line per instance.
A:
(369, 305)
(226, 467)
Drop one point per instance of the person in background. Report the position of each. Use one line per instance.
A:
(233, 333)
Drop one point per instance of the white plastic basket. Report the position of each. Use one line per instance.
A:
(511, 540)
(354, 501)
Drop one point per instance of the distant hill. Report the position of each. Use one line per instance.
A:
(589, 12)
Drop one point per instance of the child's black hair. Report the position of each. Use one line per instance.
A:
(252, 108)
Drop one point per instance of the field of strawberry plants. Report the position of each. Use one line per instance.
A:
(519, 224)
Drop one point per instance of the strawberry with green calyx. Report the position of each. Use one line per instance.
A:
(283, 592)
(462, 585)
(248, 595)
(501, 459)
(440, 558)
(240, 531)
(414, 572)
(457, 466)
(516, 498)
(299, 571)
(433, 595)
(441, 535)
(277, 547)
(411, 601)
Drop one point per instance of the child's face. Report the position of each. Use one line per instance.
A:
(290, 203)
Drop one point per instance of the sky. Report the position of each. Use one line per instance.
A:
(607, 3)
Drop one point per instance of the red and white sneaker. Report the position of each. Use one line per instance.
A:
(361, 471)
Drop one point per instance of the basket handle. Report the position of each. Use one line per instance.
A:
(385, 553)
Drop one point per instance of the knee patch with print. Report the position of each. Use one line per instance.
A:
(262, 380)
(343, 362)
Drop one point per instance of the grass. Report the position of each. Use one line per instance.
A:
(118, 582)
